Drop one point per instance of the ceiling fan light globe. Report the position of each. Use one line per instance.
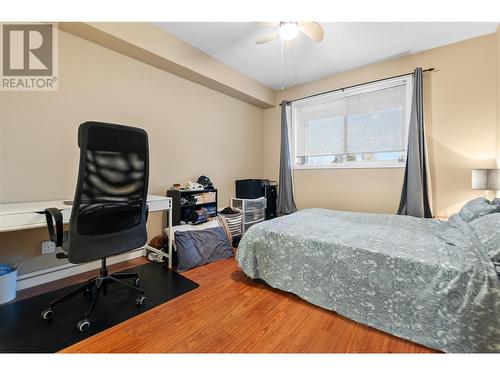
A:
(288, 31)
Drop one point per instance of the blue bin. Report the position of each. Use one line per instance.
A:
(8, 283)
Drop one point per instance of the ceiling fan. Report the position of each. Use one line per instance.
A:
(288, 31)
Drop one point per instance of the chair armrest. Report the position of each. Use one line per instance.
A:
(54, 215)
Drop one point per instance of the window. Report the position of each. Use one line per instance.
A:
(361, 127)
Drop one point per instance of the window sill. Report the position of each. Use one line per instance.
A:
(353, 166)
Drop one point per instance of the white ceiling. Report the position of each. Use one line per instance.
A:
(346, 45)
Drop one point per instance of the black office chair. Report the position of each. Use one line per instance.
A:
(109, 210)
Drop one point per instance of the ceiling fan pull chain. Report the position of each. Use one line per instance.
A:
(296, 47)
(289, 33)
(282, 63)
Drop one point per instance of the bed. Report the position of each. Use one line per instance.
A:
(425, 280)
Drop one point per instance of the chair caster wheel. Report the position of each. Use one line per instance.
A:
(136, 282)
(83, 325)
(47, 314)
(140, 301)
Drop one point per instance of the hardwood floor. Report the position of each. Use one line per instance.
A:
(231, 313)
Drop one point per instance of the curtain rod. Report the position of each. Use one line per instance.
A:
(359, 84)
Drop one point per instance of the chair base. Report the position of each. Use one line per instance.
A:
(96, 286)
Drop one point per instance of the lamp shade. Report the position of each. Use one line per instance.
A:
(486, 179)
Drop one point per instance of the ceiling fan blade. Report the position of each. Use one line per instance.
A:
(313, 30)
(267, 38)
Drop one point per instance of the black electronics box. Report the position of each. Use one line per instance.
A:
(251, 188)
(271, 195)
(256, 188)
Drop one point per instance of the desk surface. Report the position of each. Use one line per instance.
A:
(28, 215)
(30, 207)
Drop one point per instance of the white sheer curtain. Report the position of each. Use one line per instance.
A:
(366, 120)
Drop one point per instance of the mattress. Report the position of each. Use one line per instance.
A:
(420, 279)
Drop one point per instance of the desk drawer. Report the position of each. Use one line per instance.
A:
(27, 220)
(159, 205)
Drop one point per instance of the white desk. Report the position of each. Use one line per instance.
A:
(28, 215)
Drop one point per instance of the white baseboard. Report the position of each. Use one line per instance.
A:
(31, 279)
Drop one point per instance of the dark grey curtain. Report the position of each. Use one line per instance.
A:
(286, 203)
(415, 194)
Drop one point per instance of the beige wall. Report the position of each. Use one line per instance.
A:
(460, 114)
(148, 43)
(192, 130)
(497, 34)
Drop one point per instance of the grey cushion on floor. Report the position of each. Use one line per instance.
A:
(197, 247)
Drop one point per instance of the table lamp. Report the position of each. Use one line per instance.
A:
(486, 179)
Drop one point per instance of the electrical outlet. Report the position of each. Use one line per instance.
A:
(48, 247)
